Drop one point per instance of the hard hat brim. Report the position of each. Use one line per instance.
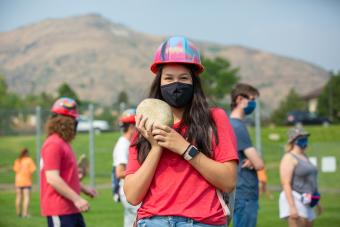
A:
(154, 66)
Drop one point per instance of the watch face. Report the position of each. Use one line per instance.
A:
(193, 151)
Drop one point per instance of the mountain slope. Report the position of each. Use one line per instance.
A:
(99, 59)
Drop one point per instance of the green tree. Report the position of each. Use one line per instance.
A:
(122, 101)
(65, 90)
(3, 86)
(123, 98)
(218, 78)
(3, 90)
(293, 101)
(329, 100)
(8, 99)
(44, 100)
(107, 116)
(10, 106)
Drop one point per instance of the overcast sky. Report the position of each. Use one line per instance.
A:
(302, 29)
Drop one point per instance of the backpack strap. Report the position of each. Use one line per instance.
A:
(225, 208)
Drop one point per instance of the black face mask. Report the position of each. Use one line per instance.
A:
(177, 94)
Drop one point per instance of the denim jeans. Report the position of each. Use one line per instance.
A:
(245, 213)
(172, 221)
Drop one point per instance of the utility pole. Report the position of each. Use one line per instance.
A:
(330, 98)
(258, 127)
(91, 147)
(38, 141)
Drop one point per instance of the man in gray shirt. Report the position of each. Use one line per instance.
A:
(246, 200)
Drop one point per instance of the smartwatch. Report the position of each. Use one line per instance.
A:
(190, 153)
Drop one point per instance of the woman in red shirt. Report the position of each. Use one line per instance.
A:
(176, 173)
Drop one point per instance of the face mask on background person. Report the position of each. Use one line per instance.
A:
(250, 107)
(177, 94)
(75, 126)
(302, 142)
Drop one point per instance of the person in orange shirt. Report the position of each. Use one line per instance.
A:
(24, 168)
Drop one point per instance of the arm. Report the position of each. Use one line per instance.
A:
(254, 158)
(88, 191)
(120, 171)
(32, 166)
(137, 184)
(287, 166)
(53, 178)
(215, 172)
(121, 153)
(16, 166)
(319, 209)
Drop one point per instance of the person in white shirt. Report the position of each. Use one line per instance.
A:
(120, 160)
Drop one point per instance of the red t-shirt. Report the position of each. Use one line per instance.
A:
(56, 154)
(178, 189)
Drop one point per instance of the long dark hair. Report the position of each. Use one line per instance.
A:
(196, 117)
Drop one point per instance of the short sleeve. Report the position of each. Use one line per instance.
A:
(32, 166)
(243, 138)
(16, 166)
(52, 155)
(226, 149)
(133, 164)
(120, 152)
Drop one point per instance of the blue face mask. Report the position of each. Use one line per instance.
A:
(250, 107)
(302, 142)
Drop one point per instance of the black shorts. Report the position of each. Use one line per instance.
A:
(25, 187)
(70, 220)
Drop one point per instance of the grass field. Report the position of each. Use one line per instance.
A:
(324, 142)
(105, 213)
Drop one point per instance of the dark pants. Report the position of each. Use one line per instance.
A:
(70, 220)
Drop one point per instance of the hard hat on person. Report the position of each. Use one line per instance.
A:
(296, 132)
(128, 116)
(65, 106)
(177, 49)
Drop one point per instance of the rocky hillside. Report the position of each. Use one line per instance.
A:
(99, 58)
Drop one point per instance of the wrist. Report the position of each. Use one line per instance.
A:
(156, 148)
(76, 199)
(186, 149)
(190, 153)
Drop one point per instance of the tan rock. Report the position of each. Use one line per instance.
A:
(157, 111)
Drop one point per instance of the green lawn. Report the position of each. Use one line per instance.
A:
(323, 142)
(105, 213)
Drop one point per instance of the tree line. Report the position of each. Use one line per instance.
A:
(218, 79)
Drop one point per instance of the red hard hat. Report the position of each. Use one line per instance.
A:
(177, 49)
(65, 106)
(128, 116)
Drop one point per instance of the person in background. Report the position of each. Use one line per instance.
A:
(299, 182)
(246, 199)
(24, 168)
(120, 159)
(177, 172)
(60, 185)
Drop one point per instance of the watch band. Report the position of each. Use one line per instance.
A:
(190, 153)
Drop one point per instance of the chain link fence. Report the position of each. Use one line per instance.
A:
(25, 128)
